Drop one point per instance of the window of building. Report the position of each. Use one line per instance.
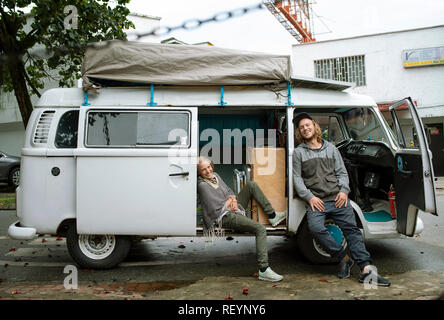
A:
(349, 69)
(138, 129)
(66, 135)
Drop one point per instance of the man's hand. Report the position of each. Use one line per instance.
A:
(341, 200)
(317, 203)
(232, 203)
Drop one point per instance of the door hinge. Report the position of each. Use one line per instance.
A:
(427, 173)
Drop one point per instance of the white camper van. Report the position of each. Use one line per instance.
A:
(104, 167)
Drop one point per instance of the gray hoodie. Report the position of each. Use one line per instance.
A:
(319, 172)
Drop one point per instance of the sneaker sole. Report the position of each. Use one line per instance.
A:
(268, 279)
(277, 223)
(378, 284)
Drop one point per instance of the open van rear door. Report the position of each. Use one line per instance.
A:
(413, 170)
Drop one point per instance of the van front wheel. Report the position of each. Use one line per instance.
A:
(312, 250)
(97, 251)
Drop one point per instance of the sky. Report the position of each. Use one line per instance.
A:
(260, 31)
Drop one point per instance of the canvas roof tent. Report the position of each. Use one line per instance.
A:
(134, 63)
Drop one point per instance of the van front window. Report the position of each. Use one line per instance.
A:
(362, 124)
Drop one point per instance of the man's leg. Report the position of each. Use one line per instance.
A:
(241, 223)
(345, 219)
(252, 190)
(316, 225)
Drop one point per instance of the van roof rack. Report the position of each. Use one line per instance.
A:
(317, 83)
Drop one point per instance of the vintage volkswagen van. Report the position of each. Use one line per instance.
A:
(103, 169)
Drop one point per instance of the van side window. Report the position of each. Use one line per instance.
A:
(138, 129)
(66, 135)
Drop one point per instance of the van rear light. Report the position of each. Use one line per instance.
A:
(42, 130)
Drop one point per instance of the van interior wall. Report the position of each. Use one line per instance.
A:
(225, 134)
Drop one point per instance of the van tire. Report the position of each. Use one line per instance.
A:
(14, 178)
(84, 250)
(307, 246)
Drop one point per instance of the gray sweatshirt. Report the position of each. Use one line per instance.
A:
(319, 172)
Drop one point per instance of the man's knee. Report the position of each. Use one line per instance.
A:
(251, 185)
(261, 230)
(316, 227)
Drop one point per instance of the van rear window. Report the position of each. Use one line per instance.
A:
(138, 129)
(66, 135)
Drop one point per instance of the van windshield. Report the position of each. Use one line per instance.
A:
(362, 124)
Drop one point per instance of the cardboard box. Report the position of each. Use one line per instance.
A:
(268, 171)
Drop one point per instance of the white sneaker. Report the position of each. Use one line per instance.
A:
(270, 275)
(279, 217)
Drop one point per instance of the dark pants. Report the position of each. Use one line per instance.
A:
(345, 219)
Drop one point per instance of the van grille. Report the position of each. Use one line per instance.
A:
(43, 126)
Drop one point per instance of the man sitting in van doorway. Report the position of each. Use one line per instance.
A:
(321, 180)
(221, 208)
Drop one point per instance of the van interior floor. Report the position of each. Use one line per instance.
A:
(380, 212)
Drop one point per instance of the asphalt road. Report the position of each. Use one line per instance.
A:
(44, 258)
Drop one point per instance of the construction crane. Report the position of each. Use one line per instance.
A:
(295, 16)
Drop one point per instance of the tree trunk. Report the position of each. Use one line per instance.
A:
(17, 73)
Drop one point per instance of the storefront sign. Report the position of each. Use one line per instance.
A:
(423, 57)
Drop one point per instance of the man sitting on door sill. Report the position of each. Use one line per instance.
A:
(320, 178)
(221, 208)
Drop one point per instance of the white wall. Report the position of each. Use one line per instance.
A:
(387, 80)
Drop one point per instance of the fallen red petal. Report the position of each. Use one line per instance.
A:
(323, 280)
(181, 246)
(255, 275)
(12, 249)
(245, 291)
(229, 298)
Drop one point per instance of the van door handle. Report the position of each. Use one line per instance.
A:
(185, 174)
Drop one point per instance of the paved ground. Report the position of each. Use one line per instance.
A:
(299, 284)
(293, 287)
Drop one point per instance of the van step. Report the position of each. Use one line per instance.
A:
(378, 216)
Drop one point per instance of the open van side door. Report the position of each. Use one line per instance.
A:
(413, 170)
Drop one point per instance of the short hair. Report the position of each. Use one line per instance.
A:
(317, 133)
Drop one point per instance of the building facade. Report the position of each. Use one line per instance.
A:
(388, 67)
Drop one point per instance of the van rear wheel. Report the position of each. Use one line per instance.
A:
(97, 251)
(312, 250)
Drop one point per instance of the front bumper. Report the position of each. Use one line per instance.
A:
(419, 226)
(15, 231)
